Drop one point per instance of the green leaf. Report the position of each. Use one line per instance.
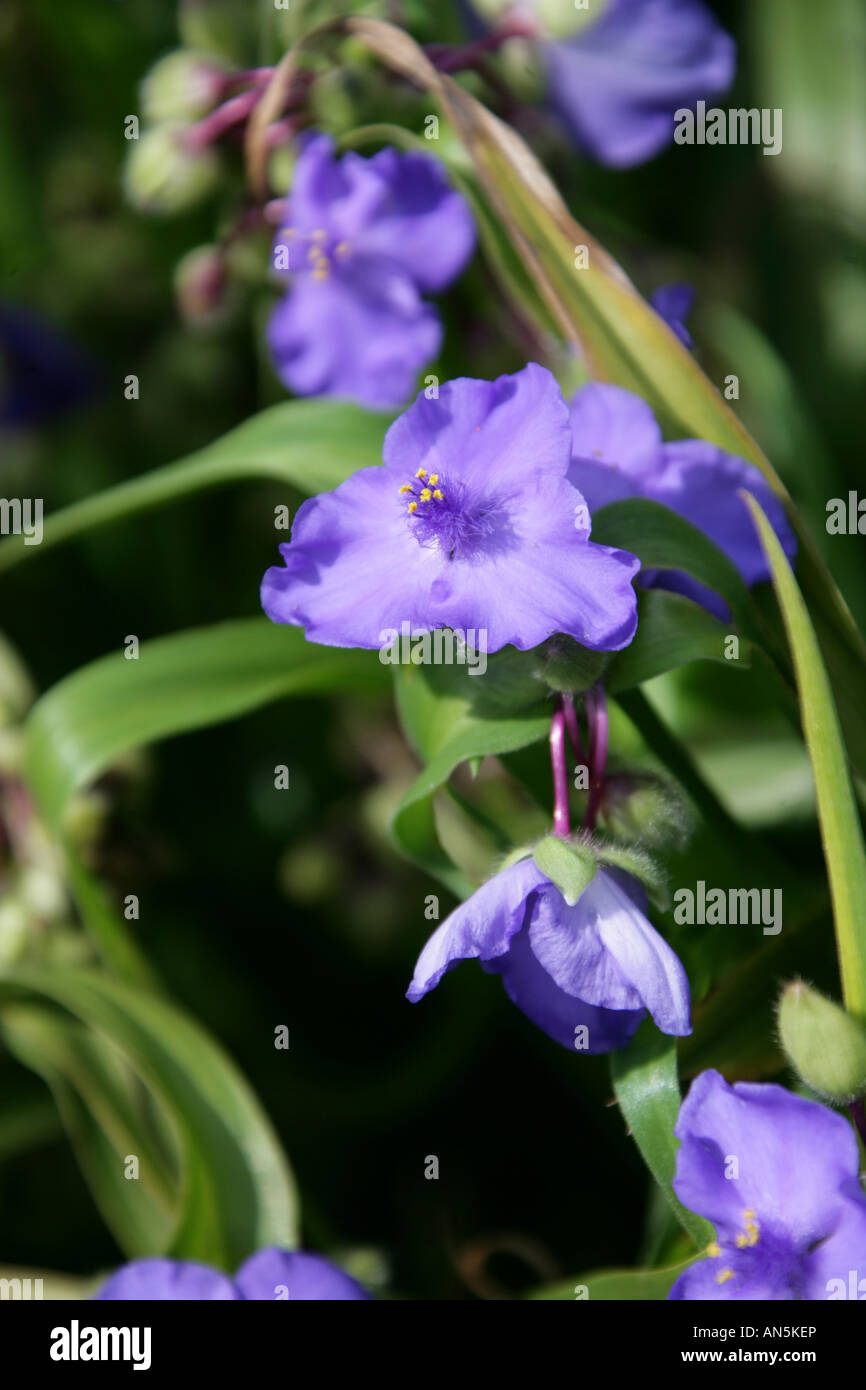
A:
(571, 867)
(186, 681)
(97, 1107)
(312, 445)
(615, 1285)
(235, 1192)
(645, 1080)
(671, 632)
(444, 728)
(837, 810)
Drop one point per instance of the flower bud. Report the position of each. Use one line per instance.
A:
(201, 287)
(182, 86)
(165, 173)
(569, 667)
(825, 1045)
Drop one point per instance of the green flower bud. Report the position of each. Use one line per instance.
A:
(182, 87)
(825, 1045)
(569, 667)
(165, 173)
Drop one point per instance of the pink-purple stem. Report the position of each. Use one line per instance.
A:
(596, 709)
(231, 113)
(559, 765)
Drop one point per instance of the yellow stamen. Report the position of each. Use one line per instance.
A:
(714, 1249)
(422, 473)
(322, 271)
(407, 487)
(433, 479)
(342, 249)
(426, 494)
(319, 234)
(413, 507)
(724, 1276)
(287, 232)
(438, 494)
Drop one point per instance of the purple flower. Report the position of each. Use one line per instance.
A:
(777, 1177)
(618, 81)
(674, 303)
(471, 524)
(586, 974)
(618, 452)
(269, 1274)
(363, 240)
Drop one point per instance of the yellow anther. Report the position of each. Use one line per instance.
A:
(342, 248)
(407, 487)
(741, 1241)
(714, 1249)
(316, 254)
(413, 507)
(433, 479)
(422, 473)
(438, 494)
(319, 234)
(322, 271)
(426, 494)
(724, 1276)
(749, 1214)
(287, 232)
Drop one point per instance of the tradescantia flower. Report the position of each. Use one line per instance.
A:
(363, 240)
(471, 523)
(618, 452)
(777, 1177)
(269, 1274)
(617, 79)
(587, 975)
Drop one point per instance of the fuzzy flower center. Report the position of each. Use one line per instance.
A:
(756, 1253)
(315, 252)
(444, 514)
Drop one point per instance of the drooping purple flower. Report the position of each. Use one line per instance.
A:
(587, 975)
(777, 1176)
(471, 524)
(618, 452)
(674, 303)
(269, 1274)
(363, 240)
(618, 81)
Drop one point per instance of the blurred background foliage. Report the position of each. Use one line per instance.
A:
(261, 908)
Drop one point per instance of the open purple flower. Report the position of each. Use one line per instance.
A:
(471, 524)
(587, 975)
(363, 240)
(618, 452)
(777, 1176)
(618, 81)
(269, 1274)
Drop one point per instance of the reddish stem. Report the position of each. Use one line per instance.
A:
(596, 706)
(559, 766)
(231, 113)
